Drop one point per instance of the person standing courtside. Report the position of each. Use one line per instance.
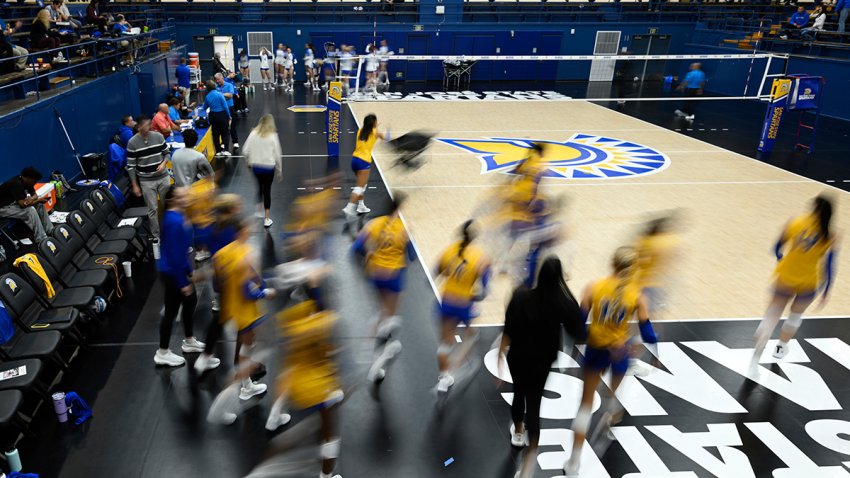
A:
(693, 87)
(228, 90)
(262, 154)
(18, 200)
(147, 154)
(219, 115)
(184, 83)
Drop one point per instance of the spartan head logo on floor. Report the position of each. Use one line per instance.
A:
(582, 156)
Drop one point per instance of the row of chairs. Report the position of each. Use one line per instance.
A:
(82, 260)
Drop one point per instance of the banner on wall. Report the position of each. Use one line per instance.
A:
(773, 118)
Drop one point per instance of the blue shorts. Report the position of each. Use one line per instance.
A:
(358, 164)
(202, 236)
(392, 283)
(461, 314)
(601, 359)
(252, 326)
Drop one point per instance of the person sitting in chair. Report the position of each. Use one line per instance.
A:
(18, 200)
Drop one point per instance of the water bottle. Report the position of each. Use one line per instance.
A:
(14, 460)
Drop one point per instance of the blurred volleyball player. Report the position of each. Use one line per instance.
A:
(279, 61)
(289, 62)
(372, 61)
(465, 272)
(361, 164)
(265, 76)
(805, 253)
(384, 53)
(610, 303)
(309, 67)
(241, 287)
(656, 248)
(386, 249)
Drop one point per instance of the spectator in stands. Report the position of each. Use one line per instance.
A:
(94, 17)
(797, 22)
(819, 18)
(228, 89)
(42, 36)
(147, 154)
(218, 66)
(59, 14)
(184, 83)
(842, 7)
(188, 164)
(162, 123)
(18, 200)
(126, 130)
(8, 49)
(219, 115)
(693, 87)
(121, 25)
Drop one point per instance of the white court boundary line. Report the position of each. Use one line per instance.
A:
(700, 319)
(598, 183)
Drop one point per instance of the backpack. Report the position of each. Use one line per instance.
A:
(7, 327)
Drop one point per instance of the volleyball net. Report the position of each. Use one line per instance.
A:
(568, 77)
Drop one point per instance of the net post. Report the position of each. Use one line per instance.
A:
(357, 79)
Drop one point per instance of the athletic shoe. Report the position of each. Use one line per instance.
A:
(201, 256)
(780, 351)
(168, 358)
(376, 374)
(246, 110)
(277, 420)
(245, 393)
(445, 382)
(316, 88)
(226, 153)
(307, 83)
(235, 145)
(334, 397)
(349, 210)
(518, 439)
(784, 37)
(259, 214)
(362, 209)
(215, 306)
(191, 345)
(572, 465)
(388, 327)
(689, 117)
(206, 362)
(228, 418)
(267, 223)
(679, 113)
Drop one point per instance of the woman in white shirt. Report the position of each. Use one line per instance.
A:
(819, 19)
(265, 57)
(262, 154)
(372, 61)
(279, 60)
(309, 65)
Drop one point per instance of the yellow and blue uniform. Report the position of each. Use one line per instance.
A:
(612, 305)
(362, 156)
(462, 272)
(802, 251)
(240, 286)
(198, 210)
(311, 375)
(390, 249)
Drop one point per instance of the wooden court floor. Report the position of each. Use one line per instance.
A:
(732, 207)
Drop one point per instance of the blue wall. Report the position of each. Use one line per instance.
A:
(92, 113)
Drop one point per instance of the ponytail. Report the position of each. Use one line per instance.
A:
(823, 211)
(468, 236)
(368, 127)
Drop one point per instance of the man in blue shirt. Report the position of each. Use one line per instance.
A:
(693, 86)
(798, 21)
(184, 84)
(229, 91)
(842, 8)
(126, 131)
(219, 115)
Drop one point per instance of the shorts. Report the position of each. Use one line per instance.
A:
(371, 69)
(264, 69)
(393, 284)
(308, 64)
(251, 326)
(202, 236)
(459, 313)
(601, 359)
(358, 164)
(799, 290)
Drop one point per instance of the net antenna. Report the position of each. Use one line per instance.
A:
(726, 68)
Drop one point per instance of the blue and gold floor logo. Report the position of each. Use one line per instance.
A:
(581, 157)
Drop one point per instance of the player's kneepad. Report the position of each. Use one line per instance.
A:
(329, 450)
(358, 190)
(445, 349)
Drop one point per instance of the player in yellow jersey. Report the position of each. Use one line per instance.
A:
(310, 380)
(361, 164)
(241, 287)
(805, 253)
(386, 249)
(200, 214)
(465, 272)
(656, 249)
(611, 303)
